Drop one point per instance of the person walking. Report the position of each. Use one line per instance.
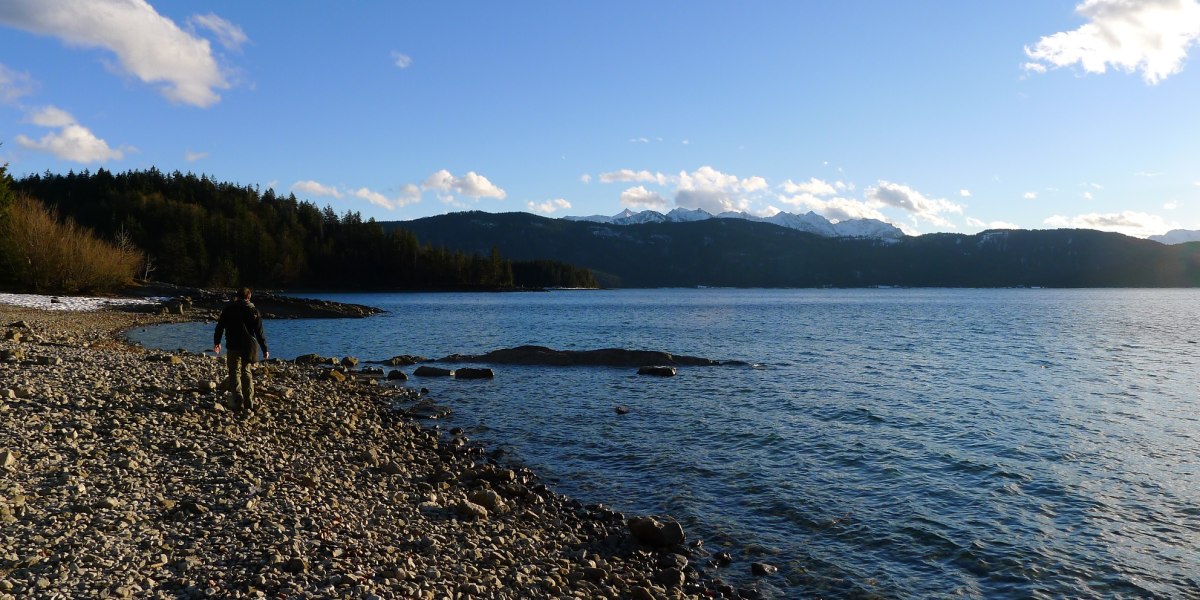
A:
(242, 325)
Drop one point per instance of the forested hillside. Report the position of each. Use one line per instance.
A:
(198, 231)
(739, 253)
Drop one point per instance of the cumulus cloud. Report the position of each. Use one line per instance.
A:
(814, 187)
(965, 193)
(1128, 222)
(1029, 195)
(313, 188)
(408, 194)
(146, 44)
(472, 184)
(629, 175)
(374, 198)
(640, 197)
(229, 35)
(716, 192)
(402, 61)
(1151, 36)
(905, 198)
(14, 84)
(72, 141)
(549, 206)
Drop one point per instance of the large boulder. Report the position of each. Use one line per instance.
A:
(471, 373)
(428, 371)
(652, 532)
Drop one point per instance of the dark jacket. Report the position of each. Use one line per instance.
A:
(242, 326)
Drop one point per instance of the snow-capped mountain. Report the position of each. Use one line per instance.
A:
(1177, 236)
(810, 222)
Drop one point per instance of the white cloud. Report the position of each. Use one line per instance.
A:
(229, 35)
(1087, 195)
(549, 206)
(72, 141)
(640, 197)
(314, 188)
(409, 194)
(191, 156)
(402, 61)
(1029, 195)
(1128, 222)
(640, 140)
(912, 201)
(585, 178)
(965, 193)
(714, 191)
(628, 175)
(1151, 36)
(472, 184)
(973, 222)
(814, 186)
(51, 116)
(14, 84)
(374, 198)
(147, 45)
(1171, 205)
(754, 184)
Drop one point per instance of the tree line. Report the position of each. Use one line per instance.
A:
(196, 231)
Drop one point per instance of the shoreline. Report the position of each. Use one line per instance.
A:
(121, 474)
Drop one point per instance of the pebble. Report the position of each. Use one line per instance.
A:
(122, 462)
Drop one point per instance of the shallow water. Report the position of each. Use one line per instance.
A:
(900, 443)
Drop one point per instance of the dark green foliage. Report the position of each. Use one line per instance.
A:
(7, 250)
(196, 231)
(738, 253)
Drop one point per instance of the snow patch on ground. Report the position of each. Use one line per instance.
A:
(73, 303)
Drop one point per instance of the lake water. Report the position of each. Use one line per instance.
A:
(898, 443)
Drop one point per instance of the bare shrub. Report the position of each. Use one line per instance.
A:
(62, 257)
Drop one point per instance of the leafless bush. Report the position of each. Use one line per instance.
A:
(62, 257)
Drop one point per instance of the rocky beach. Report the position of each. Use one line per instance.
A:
(124, 474)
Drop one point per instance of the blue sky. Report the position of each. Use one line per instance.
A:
(932, 115)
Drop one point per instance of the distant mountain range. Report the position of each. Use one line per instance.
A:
(810, 222)
(1177, 236)
(733, 252)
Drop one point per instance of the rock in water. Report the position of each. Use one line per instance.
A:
(763, 569)
(657, 371)
(427, 371)
(469, 373)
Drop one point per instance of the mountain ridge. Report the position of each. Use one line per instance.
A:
(810, 222)
(743, 253)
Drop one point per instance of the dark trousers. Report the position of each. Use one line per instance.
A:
(240, 379)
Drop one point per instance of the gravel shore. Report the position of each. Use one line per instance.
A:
(123, 474)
